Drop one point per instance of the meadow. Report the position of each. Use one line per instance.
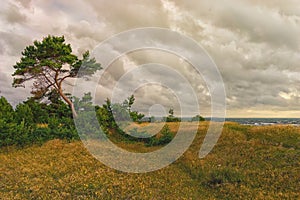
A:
(248, 162)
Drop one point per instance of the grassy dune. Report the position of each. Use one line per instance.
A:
(247, 163)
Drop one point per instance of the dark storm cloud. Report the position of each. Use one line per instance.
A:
(254, 43)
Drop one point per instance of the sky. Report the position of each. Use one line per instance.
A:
(255, 45)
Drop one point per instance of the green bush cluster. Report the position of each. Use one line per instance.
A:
(165, 137)
(32, 122)
(198, 118)
(171, 117)
(106, 117)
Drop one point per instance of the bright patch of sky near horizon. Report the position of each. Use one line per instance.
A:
(255, 45)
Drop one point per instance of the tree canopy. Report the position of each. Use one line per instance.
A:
(171, 117)
(198, 118)
(6, 110)
(49, 63)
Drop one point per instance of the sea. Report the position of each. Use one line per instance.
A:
(251, 121)
(266, 121)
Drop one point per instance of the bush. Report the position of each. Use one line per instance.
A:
(6, 134)
(198, 118)
(165, 138)
(15, 134)
(222, 176)
(21, 127)
(41, 135)
(135, 133)
(172, 119)
(6, 111)
(23, 113)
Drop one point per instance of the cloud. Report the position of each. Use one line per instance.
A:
(255, 44)
(14, 96)
(13, 14)
(12, 43)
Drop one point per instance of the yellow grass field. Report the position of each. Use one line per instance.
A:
(247, 163)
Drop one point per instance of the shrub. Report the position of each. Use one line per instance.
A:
(165, 137)
(222, 176)
(24, 113)
(6, 134)
(15, 134)
(198, 118)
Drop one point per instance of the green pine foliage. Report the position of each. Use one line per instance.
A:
(163, 138)
(171, 117)
(6, 110)
(47, 64)
(23, 113)
(33, 122)
(198, 118)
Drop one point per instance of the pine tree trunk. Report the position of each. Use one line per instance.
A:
(69, 102)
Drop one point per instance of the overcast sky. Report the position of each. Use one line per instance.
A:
(254, 43)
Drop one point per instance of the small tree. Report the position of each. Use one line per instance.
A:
(171, 117)
(39, 110)
(6, 110)
(24, 114)
(85, 103)
(134, 115)
(129, 102)
(198, 118)
(171, 112)
(49, 63)
(152, 119)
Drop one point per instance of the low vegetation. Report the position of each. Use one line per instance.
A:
(247, 163)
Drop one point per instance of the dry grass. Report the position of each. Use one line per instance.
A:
(245, 164)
